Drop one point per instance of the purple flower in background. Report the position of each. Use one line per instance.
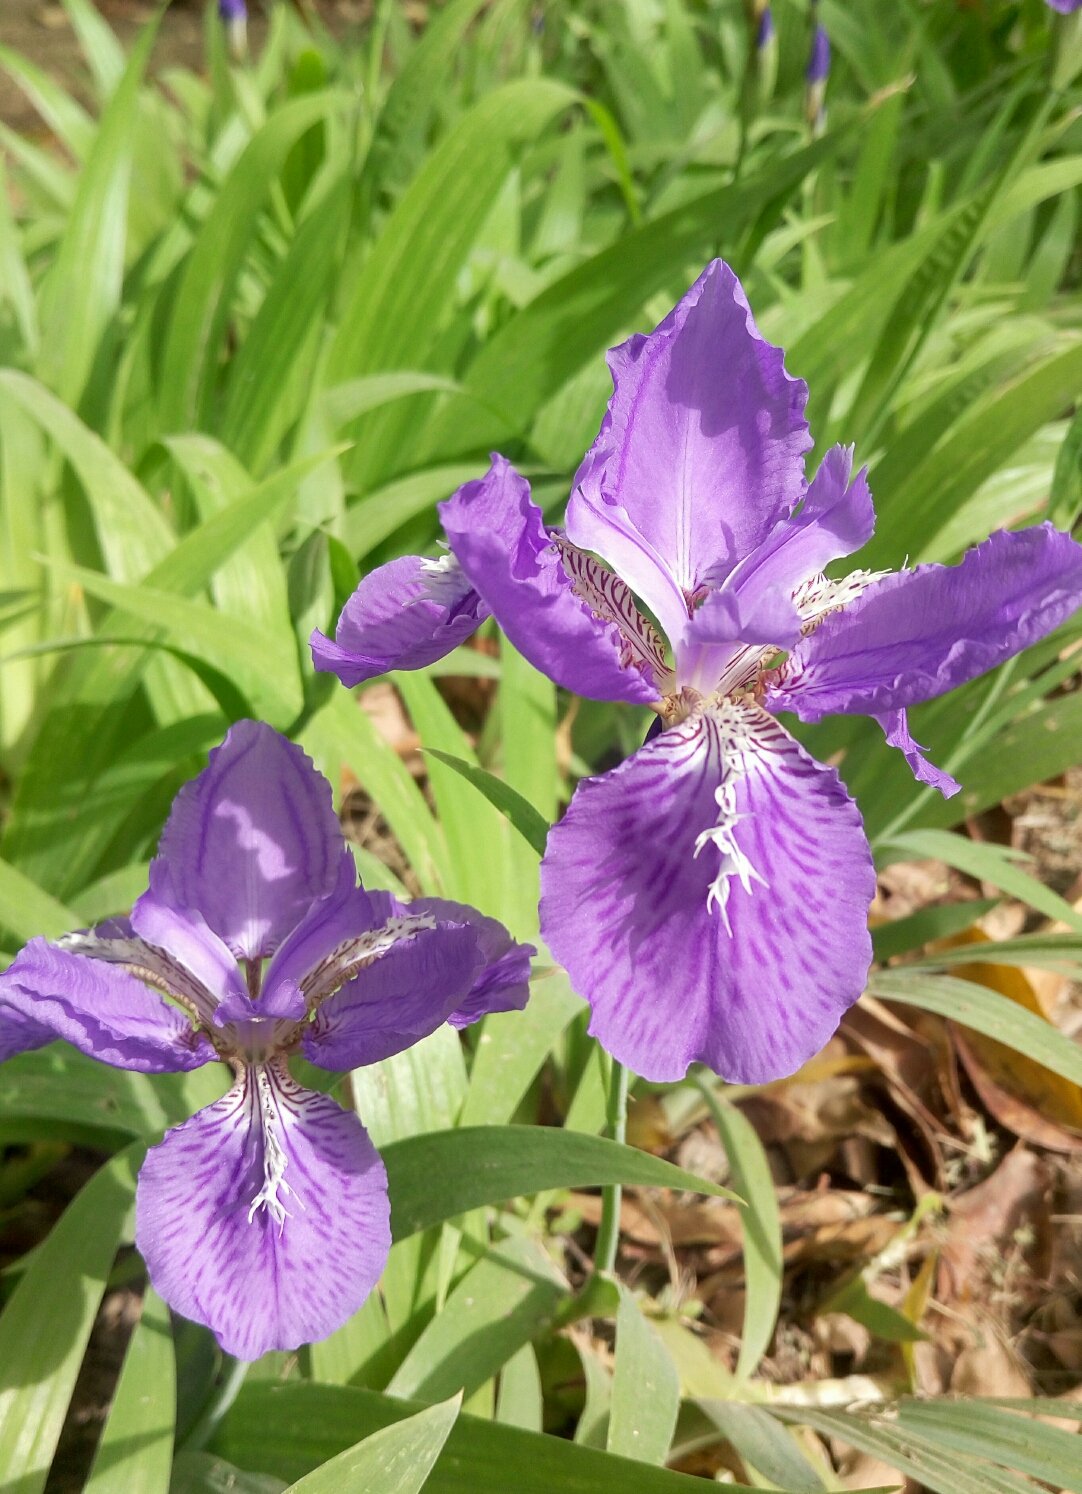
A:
(264, 1216)
(816, 75)
(1065, 7)
(709, 896)
(818, 69)
(765, 34)
(234, 17)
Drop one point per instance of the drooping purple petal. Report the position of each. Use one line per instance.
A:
(709, 898)
(404, 615)
(254, 840)
(1065, 7)
(499, 537)
(913, 635)
(895, 726)
(503, 982)
(397, 999)
(102, 1010)
(700, 452)
(265, 1216)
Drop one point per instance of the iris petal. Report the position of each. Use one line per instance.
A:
(916, 634)
(254, 840)
(404, 615)
(700, 452)
(265, 1216)
(100, 1008)
(398, 999)
(498, 534)
(709, 898)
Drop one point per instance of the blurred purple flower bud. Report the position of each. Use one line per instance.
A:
(765, 35)
(819, 60)
(232, 10)
(1065, 7)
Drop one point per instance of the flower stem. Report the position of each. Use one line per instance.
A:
(229, 1381)
(608, 1233)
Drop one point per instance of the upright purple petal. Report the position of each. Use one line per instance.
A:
(396, 1000)
(755, 604)
(254, 840)
(404, 615)
(700, 452)
(913, 635)
(183, 938)
(346, 912)
(709, 899)
(99, 1008)
(502, 983)
(265, 1216)
(498, 535)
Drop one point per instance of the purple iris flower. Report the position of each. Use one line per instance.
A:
(264, 1216)
(709, 896)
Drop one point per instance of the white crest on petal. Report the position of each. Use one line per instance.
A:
(740, 734)
(274, 1156)
(444, 577)
(817, 597)
(155, 967)
(352, 955)
(611, 601)
(264, 1103)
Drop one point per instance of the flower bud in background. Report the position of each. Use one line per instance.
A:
(234, 17)
(816, 75)
(766, 54)
(1066, 51)
(761, 69)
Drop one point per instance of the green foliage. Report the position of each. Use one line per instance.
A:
(254, 323)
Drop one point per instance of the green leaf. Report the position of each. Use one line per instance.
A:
(201, 305)
(203, 1473)
(131, 529)
(771, 1450)
(476, 835)
(944, 1473)
(104, 54)
(45, 1327)
(83, 289)
(436, 1177)
(984, 1011)
(395, 1460)
(502, 1303)
(70, 1093)
(290, 1429)
(26, 910)
(513, 1046)
(761, 1226)
(136, 1448)
(518, 811)
(520, 1402)
(1020, 1444)
(645, 1388)
(267, 675)
(573, 319)
(987, 862)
